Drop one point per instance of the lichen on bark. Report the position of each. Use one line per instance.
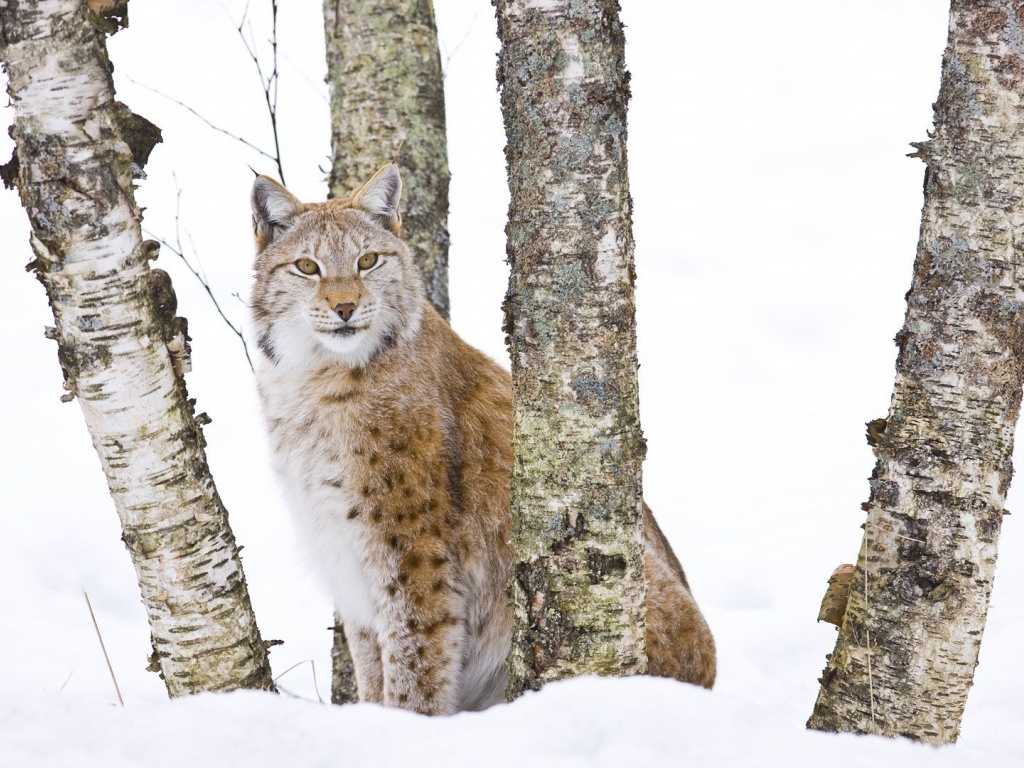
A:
(907, 648)
(121, 348)
(387, 104)
(578, 583)
(343, 672)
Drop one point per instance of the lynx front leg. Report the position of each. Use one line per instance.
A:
(423, 635)
(365, 651)
(421, 666)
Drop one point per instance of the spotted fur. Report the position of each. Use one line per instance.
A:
(393, 439)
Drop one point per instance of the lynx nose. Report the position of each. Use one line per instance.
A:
(345, 310)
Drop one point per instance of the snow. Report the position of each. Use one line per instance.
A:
(584, 722)
(775, 219)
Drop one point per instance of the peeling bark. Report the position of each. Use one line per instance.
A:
(387, 103)
(837, 595)
(121, 347)
(908, 646)
(578, 583)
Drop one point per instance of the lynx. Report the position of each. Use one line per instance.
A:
(393, 440)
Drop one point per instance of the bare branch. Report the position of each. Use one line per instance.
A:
(269, 82)
(269, 85)
(198, 272)
(209, 124)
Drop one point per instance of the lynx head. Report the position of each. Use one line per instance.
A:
(333, 280)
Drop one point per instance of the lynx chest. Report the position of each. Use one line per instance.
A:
(315, 442)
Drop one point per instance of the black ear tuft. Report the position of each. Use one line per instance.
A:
(380, 195)
(273, 210)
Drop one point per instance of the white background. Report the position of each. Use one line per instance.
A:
(776, 218)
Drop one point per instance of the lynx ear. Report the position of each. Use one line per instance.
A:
(379, 197)
(273, 210)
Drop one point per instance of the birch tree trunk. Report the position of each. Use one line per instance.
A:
(387, 101)
(578, 583)
(121, 347)
(908, 645)
(344, 689)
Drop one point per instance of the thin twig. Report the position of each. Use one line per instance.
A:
(465, 37)
(273, 107)
(398, 152)
(299, 664)
(117, 688)
(209, 124)
(897, 535)
(245, 11)
(199, 273)
(269, 85)
(267, 82)
(209, 292)
(309, 81)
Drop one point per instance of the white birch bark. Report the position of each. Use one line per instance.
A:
(908, 645)
(578, 584)
(120, 343)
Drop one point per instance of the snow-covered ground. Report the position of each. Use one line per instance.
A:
(776, 221)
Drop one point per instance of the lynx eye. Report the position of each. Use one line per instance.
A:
(307, 266)
(367, 260)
